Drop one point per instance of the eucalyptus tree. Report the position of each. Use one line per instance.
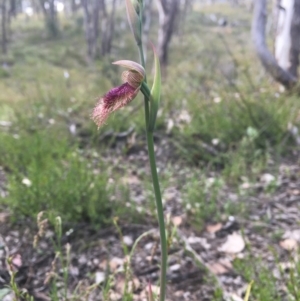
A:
(3, 7)
(91, 9)
(168, 11)
(107, 26)
(283, 65)
(49, 8)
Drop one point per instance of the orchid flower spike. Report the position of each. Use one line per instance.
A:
(120, 96)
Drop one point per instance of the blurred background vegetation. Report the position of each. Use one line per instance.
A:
(229, 115)
(221, 111)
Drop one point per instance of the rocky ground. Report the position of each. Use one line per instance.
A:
(201, 262)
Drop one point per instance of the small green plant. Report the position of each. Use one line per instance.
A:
(264, 287)
(58, 275)
(265, 283)
(47, 176)
(201, 199)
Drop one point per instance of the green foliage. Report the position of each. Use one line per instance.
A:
(266, 285)
(48, 174)
(204, 201)
(201, 197)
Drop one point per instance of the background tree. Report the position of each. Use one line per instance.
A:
(187, 6)
(283, 66)
(50, 14)
(36, 6)
(3, 7)
(168, 12)
(147, 18)
(91, 9)
(287, 43)
(74, 6)
(107, 26)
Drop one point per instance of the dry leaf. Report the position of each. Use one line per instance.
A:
(130, 180)
(213, 228)
(234, 297)
(99, 277)
(234, 244)
(217, 268)
(177, 220)
(267, 178)
(120, 284)
(17, 260)
(115, 263)
(4, 217)
(289, 244)
(226, 263)
(127, 240)
(179, 293)
(155, 289)
(294, 234)
(114, 296)
(294, 191)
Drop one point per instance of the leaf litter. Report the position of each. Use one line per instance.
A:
(200, 260)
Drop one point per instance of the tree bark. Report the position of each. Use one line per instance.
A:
(50, 15)
(91, 10)
(12, 8)
(186, 7)
(36, 6)
(3, 27)
(108, 27)
(147, 17)
(74, 6)
(268, 60)
(53, 22)
(283, 21)
(295, 40)
(168, 12)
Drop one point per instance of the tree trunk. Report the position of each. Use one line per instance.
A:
(278, 72)
(50, 15)
(3, 27)
(187, 6)
(13, 8)
(36, 6)
(147, 17)
(295, 40)
(107, 28)
(52, 18)
(74, 7)
(91, 23)
(168, 12)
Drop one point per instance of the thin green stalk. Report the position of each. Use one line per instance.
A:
(156, 187)
(160, 215)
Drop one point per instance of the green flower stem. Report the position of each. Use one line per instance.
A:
(160, 215)
(156, 187)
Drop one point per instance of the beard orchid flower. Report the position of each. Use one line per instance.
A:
(120, 96)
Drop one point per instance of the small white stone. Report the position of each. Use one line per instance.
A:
(267, 178)
(26, 182)
(215, 141)
(149, 246)
(72, 129)
(128, 241)
(66, 74)
(175, 267)
(99, 277)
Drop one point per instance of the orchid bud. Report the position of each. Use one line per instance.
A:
(133, 8)
(155, 92)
